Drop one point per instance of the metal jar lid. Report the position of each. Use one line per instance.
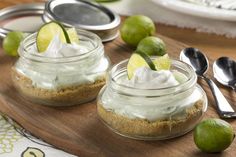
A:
(17, 11)
(84, 15)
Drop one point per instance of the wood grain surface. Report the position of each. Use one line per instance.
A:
(78, 130)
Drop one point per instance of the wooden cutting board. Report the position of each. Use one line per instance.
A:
(79, 131)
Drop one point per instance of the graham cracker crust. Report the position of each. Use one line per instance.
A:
(64, 96)
(144, 129)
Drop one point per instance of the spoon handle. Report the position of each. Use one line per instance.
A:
(223, 107)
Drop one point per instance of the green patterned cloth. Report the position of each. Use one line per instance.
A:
(17, 142)
(8, 136)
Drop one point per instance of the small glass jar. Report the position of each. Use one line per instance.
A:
(61, 81)
(151, 114)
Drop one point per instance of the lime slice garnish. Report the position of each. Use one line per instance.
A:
(65, 32)
(138, 60)
(46, 34)
(162, 62)
(72, 33)
(48, 31)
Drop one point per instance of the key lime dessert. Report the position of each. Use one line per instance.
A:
(60, 66)
(151, 98)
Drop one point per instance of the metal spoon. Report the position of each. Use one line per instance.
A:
(199, 62)
(224, 70)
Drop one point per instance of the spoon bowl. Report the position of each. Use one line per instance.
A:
(196, 59)
(224, 70)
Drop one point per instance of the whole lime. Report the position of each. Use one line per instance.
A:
(213, 135)
(135, 28)
(11, 42)
(152, 46)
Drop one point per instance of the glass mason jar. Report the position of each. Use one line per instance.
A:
(151, 114)
(61, 81)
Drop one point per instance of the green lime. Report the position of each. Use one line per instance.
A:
(48, 31)
(138, 60)
(213, 135)
(11, 42)
(153, 46)
(135, 28)
(162, 62)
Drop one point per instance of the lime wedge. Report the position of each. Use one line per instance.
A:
(48, 31)
(138, 60)
(72, 33)
(162, 62)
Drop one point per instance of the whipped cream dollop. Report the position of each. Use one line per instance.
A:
(57, 49)
(145, 78)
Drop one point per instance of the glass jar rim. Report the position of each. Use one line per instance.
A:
(31, 39)
(132, 91)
